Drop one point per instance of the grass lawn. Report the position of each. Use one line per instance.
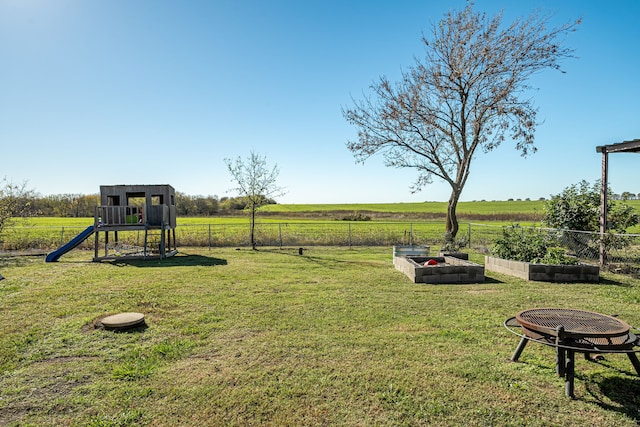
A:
(334, 337)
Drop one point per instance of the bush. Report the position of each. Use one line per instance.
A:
(556, 255)
(530, 245)
(578, 208)
(356, 216)
(521, 244)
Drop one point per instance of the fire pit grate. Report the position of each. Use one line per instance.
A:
(571, 331)
(575, 322)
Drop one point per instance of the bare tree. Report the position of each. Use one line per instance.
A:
(256, 182)
(466, 94)
(15, 201)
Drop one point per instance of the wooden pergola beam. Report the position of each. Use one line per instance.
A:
(632, 146)
(603, 205)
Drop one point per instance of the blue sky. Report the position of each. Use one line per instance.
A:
(105, 92)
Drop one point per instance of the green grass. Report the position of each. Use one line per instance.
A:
(489, 209)
(474, 207)
(334, 337)
(464, 208)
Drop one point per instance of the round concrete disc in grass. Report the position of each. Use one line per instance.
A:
(123, 320)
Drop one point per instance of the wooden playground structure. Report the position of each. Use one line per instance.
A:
(148, 209)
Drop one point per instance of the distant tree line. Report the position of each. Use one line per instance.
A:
(64, 205)
(81, 205)
(624, 196)
(187, 205)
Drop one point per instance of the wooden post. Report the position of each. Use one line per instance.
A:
(162, 242)
(411, 234)
(603, 206)
(146, 237)
(96, 242)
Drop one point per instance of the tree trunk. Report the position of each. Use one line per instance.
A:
(253, 226)
(452, 219)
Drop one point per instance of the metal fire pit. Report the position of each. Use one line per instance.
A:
(578, 323)
(570, 331)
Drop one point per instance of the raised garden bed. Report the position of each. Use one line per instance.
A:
(543, 272)
(459, 255)
(410, 250)
(446, 269)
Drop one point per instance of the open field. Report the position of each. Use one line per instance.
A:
(465, 209)
(334, 337)
(229, 232)
(503, 211)
(397, 223)
(481, 210)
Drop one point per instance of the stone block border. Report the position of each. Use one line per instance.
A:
(454, 270)
(543, 272)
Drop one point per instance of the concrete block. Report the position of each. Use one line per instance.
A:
(544, 272)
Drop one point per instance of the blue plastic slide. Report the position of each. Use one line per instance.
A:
(53, 256)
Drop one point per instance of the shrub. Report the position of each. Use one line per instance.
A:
(356, 216)
(530, 245)
(578, 208)
(521, 244)
(556, 255)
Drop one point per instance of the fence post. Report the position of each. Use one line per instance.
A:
(411, 234)
(62, 237)
(280, 234)
(349, 234)
(469, 236)
(209, 236)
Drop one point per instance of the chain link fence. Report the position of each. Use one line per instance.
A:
(330, 233)
(623, 250)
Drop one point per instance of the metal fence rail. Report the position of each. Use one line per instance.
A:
(330, 233)
(311, 234)
(623, 249)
